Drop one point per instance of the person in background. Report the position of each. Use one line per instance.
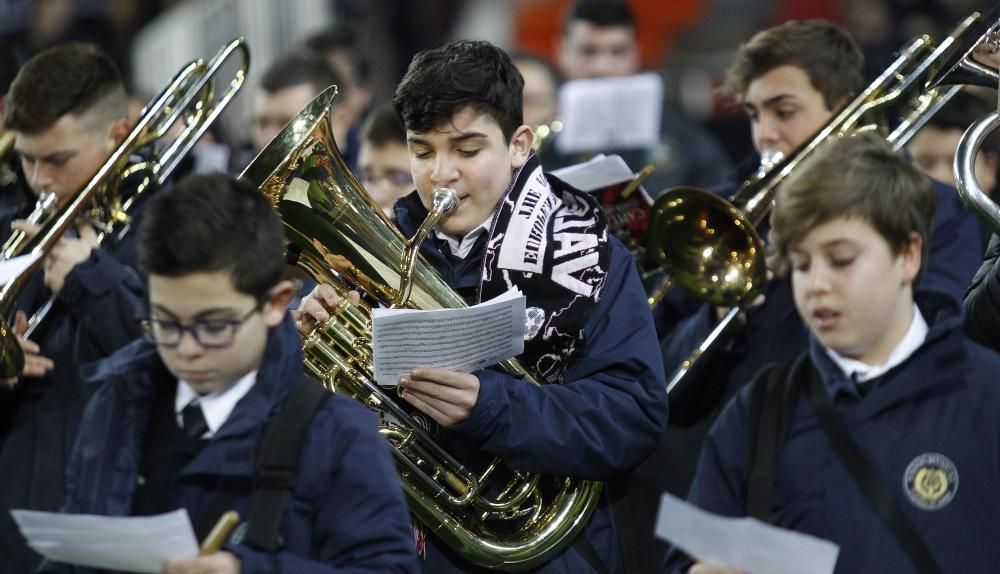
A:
(599, 40)
(384, 159)
(541, 90)
(287, 87)
(933, 147)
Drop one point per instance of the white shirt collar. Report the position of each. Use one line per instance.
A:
(215, 406)
(906, 346)
(460, 247)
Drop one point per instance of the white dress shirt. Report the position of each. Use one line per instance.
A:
(215, 406)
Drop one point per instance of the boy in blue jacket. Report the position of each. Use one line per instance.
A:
(595, 344)
(179, 418)
(918, 398)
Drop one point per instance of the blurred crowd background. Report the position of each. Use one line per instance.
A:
(370, 42)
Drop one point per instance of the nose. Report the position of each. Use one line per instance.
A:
(445, 171)
(39, 178)
(817, 279)
(766, 134)
(189, 347)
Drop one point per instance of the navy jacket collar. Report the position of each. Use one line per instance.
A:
(136, 371)
(939, 360)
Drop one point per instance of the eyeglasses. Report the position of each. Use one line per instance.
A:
(393, 177)
(209, 333)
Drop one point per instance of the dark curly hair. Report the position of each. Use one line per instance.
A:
(442, 81)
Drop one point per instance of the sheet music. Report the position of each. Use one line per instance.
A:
(458, 339)
(610, 113)
(128, 544)
(743, 543)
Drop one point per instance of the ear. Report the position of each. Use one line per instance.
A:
(277, 303)
(118, 131)
(520, 146)
(911, 257)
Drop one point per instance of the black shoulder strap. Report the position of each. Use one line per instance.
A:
(865, 476)
(278, 461)
(770, 408)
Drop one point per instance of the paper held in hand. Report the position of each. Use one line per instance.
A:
(744, 543)
(123, 544)
(458, 339)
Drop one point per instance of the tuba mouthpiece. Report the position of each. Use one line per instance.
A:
(445, 200)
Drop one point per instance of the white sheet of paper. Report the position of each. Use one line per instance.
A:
(610, 113)
(744, 543)
(13, 267)
(597, 173)
(457, 339)
(128, 544)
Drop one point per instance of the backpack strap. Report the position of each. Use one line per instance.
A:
(278, 461)
(771, 404)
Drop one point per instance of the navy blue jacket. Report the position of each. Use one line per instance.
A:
(604, 420)
(346, 511)
(95, 313)
(943, 399)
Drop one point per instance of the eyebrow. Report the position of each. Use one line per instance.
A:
(770, 101)
(453, 139)
(61, 154)
(198, 316)
(825, 245)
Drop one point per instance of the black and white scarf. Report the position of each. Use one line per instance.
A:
(550, 241)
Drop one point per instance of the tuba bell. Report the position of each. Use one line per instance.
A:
(495, 516)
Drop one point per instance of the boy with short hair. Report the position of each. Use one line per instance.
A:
(68, 110)
(605, 403)
(916, 396)
(179, 418)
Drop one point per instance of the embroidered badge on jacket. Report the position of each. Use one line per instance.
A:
(930, 481)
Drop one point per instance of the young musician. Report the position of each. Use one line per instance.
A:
(605, 404)
(887, 362)
(179, 418)
(68, 110)
(791, 80)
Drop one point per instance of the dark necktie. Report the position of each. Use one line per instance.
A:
(195, 424)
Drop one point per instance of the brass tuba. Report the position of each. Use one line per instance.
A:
(494, 516)
(190, 99)
(710, 245)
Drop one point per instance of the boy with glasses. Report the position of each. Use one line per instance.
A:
(179, 418)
